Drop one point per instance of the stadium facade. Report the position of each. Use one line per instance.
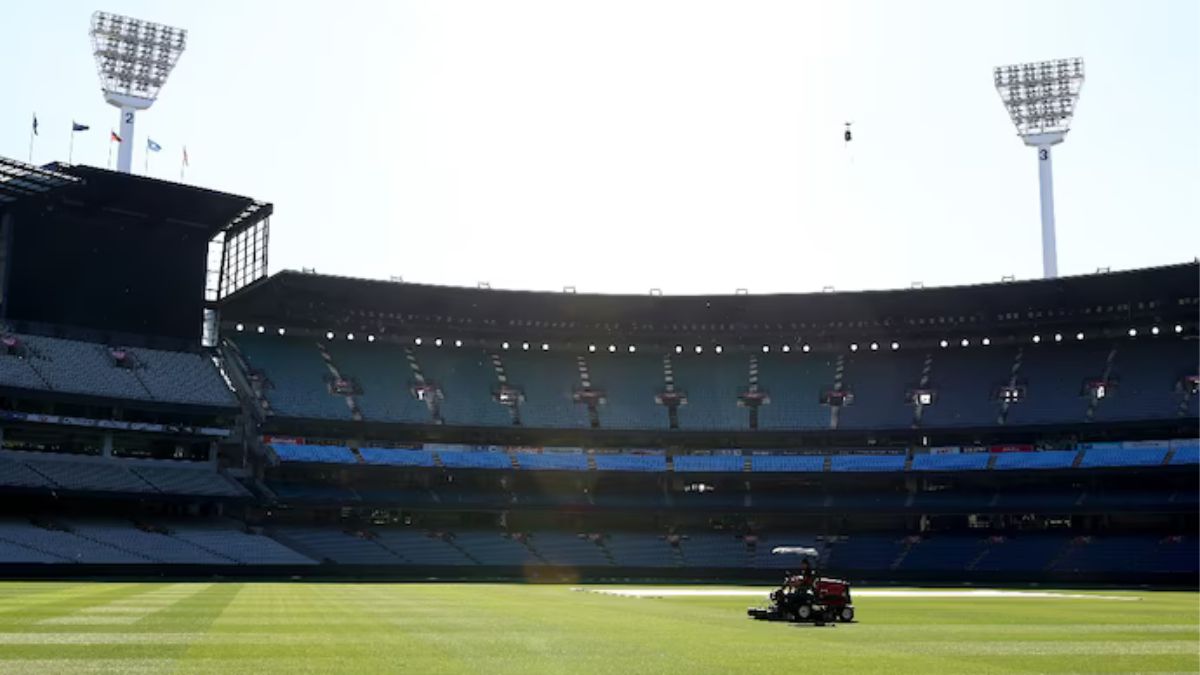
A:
(168, 408)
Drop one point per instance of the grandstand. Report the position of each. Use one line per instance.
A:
(329, 426)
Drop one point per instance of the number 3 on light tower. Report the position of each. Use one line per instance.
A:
(1043, 154)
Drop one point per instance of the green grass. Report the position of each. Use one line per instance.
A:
(466, 628)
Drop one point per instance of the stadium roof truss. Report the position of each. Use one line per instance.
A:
(20, 181)
(237, 254)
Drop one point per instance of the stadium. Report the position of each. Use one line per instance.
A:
(209, 467)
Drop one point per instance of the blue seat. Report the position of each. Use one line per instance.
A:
(551, 461)
(971, 461)
(1097, 457)
(396, 456)
(324, 454)
(787, 463)
(867, 463)
(1186, 454)
(474, 459)
(630, 462)
(708, 463)
(1048, 459)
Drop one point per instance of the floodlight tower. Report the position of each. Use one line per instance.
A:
(133, 59)
(1040, 98)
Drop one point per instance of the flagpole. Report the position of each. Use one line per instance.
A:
(71, 147)
(110, 142)
(32, 133)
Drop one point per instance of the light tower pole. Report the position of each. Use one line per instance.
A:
(1040, 99)
(133, 59)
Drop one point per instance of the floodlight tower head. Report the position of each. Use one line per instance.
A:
(133, 59)
(1040, 99)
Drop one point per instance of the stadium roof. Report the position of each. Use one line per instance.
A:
(20, 181)
(126, 194)
(296, 299)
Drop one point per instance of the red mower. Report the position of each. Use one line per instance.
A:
(807, 598)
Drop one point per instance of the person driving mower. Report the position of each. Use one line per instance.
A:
(807, 597)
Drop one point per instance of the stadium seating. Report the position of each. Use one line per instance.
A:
(467, 380)
(298, 378)
(713, 384)
(181, 377)
(228, 540)
(95, 474)
(16, 553)
(1186, 454)
(495, 548)
(965, 381)
(630, 462)
(88, 475)
(1054, 377)
(1048, 459)
(420, 548)
(1146, 373)
(715, 549)
(1097, 457)
(972, 461)
(640, 550)
(950, 552)
(471, 459)
(154, 546)
(567, 548)
(1022, 552)
(336, 546)
(630, 382)
(15, 473)
(64, 545)
(76, 367)
(18, 372)
(867, 463)
(708, 463)
(785, 463)
(1130, 553)
(396, 456)
(866, 552)
(879, 381)
(81, 367)
(795, 383)
(385, 378)
(549, 381)
(200, 480)
(551, 461)
(323, 454)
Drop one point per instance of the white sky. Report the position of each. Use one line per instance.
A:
(617, 146)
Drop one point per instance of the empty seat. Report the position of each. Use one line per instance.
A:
(867, 463)
(973, 461)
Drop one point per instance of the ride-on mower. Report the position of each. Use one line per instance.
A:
(805, 597)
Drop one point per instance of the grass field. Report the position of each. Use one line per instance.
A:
(461, 628)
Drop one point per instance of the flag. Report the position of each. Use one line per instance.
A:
(35, 133)
(152, 146)
(185, 157)
(76, 126)
(114, 137)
